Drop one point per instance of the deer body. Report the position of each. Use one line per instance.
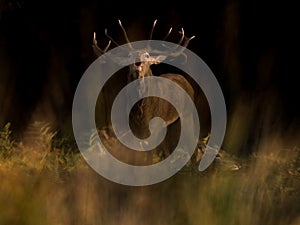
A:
(149, 107)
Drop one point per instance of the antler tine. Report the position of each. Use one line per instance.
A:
(169, 32)
(182, 36)
(186, 42)
(110, 38)
(125, 34)
(151, 33)
(98, 51)
(107, 46)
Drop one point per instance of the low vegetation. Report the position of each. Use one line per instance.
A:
(45, 180)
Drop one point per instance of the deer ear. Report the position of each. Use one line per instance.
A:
(159, 59)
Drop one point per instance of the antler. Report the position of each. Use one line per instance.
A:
(98, 51)
(125, 34)
(153, 26)
(183, 41)
(173, 52)
(151, 33)
(186, 39)
(169, 32)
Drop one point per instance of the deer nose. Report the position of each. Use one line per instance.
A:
(137, 64)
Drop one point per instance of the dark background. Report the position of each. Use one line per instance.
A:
(45, 47)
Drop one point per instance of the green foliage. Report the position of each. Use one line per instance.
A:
(205, 139)
(66, 143)
(59, 152)
(65, 151)
(41, 149)
(6, 143)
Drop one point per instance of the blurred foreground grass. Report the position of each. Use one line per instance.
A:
(45, 181)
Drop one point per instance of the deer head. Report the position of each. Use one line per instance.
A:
(141, 58)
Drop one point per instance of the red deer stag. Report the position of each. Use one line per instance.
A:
(150, 107)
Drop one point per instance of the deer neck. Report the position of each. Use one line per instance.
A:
(143, 109)
(143, 90)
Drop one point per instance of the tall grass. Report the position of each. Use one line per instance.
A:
(44, 182)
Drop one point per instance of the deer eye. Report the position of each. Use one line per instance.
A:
(146, 55)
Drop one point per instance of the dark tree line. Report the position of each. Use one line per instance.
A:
(45, 47)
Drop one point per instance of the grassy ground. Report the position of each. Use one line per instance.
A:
(46, 181)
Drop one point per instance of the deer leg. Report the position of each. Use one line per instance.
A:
(171, 139)
(190, 139)
(149, 156)
(157, 132)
